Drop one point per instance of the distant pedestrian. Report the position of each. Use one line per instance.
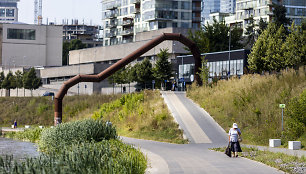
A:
(15, 124)
(233, 136)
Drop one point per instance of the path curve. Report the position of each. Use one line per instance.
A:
(203, 133)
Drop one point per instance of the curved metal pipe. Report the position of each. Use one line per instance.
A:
(123, 62)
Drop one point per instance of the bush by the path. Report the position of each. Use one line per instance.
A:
(32, 135)
(85, 146)
(66, 134)
(107, 156)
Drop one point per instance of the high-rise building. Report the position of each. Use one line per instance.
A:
(209, 6)
(8, 11)
(245, 9)
(296, 10)
(227, 6)
(123, 19)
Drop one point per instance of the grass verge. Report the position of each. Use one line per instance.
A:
(281, 161)
(142, 115)
(253, 102)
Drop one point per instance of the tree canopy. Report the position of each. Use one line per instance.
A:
(163, 68)
(275, 49)
(75, 44)
(215, 37)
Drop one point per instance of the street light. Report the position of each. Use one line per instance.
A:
(79, 73)
(229, 54)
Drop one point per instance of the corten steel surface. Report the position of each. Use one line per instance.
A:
(123, 62)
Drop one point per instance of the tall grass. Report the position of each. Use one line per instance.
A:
(142, 115)
(32, 135)
(40, 110)
(85, 146)
(252, 102)
(104, 157)
(75, 132)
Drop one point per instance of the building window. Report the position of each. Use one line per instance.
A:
(25, 34)
(2, 12)
(10, 12)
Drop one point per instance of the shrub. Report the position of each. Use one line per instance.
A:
(295, 125)
(31, 135)
(53, 139)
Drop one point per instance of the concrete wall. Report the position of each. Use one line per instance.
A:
(45, 50)
(115, 52)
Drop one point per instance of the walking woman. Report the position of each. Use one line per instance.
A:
(233, 136)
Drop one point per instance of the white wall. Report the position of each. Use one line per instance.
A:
(45, 50)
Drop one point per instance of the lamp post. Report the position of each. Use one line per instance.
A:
(183, 74)
(79, 73)
(229, 54)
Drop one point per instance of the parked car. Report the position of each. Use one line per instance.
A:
(47, 93)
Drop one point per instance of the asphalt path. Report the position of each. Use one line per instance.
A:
(203, 133)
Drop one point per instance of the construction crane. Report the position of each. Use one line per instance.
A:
(38, 12)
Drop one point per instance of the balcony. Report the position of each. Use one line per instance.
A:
(137, 10)
(135, 1)
(112, 6)
(109, 35)
(127, 23)
(127, 32)
(113, 25)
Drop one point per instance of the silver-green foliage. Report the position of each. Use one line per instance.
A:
(53, 139)
(111, 156)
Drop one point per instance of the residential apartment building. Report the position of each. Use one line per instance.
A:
(30, 45)
(296, 11)
(123, 19)
(8, 11)
(209, 6)
(88, 34)
(228, 6)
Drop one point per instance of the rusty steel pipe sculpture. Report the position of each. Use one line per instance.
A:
(58, 100)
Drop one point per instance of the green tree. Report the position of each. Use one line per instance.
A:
(65, 53)
(144, 72)
(275, 50)
(204, 72)
(251, 32)
(215, 37)
(296, 117)
(279, 16)
(19, 80)
(262, 25)
(275, 59)
(31, 81)
(199, 38)
(295, 47)
(75, 44)
(1, 80)
(9, 82)
(163, 68)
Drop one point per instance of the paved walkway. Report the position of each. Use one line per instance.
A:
(203, 133)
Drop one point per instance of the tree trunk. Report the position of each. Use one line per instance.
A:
(24, 92)
(129, 87)
(17, 91)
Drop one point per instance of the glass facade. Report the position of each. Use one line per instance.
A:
(23, 34)
(210, 6)
(295, 10)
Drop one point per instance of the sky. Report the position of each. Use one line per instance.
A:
(57, 10)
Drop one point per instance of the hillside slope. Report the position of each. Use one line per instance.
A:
(253, 102)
